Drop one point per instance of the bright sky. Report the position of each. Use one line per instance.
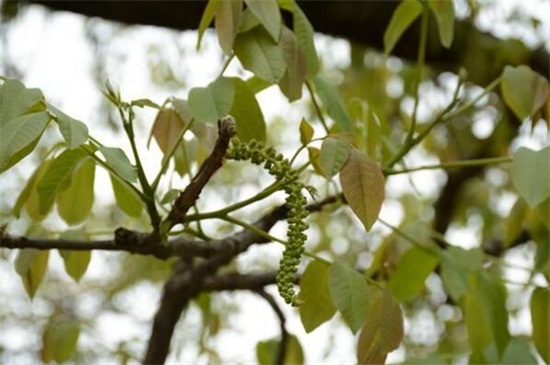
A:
(53, 53)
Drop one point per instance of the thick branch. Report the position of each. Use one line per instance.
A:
(188, 197)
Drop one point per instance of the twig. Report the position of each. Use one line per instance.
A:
(281, 350)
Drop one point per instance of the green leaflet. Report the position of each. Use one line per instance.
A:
(60, 339)
(75, 203)
(117, 160)
(445, 16)
(317, 307)
(267, 12)
(334, 153)
(531, 174)
(405, 14)
(74, 132)
(31, 266)
(333, 103)
(126, 199)
(524, 90)
(247, 112)
(210, 104)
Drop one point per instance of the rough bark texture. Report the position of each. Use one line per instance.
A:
(483, 55)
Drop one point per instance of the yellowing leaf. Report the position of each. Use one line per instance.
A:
(267, 12)
(228, 19)
(31, 266)
(540, 318)
(531, 174)
(167, 127)
(382, 331)
(350, 294)
(334, 153)
(295, 74)
(363, 187)
(210, 104)
(306, 132)
(75, 203)
(260, 54)
(524, 90)
(248, 115)
(445, 16)
(317, 307)
(405, 14)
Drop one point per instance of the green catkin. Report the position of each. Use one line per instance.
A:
(280, 168)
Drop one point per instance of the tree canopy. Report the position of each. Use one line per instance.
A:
(398, 202)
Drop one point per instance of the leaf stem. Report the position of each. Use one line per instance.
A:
(317, 107)
(452, 165)
(226, 64)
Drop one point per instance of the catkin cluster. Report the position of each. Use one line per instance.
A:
(280, 168)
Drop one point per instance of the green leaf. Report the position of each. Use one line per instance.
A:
(206, 19)
(456, 265)
(31, 266)
(142, 103)
(59, 340)
(305, 35)
(58, 177)
(74, 132)
(296, 66)
(266, 352)
(76, 262)
(19, 136)
(249, 21)
(32, 201)
(75, 203)
(540, 317)
(170, 196)
(334, 153)
(256, 84)
(228, 19)
(117, 160)
(350, 294)
(306, 132)
(531, 174)
(405, 14)
(382, 331)
(126, 198)
(247, 112)
(524, 90)
(260, 54)
(317, 307)
(333, 103)
(444, 13)
(16, 100)
(518, 351)
(26, 192)
(412, 271)
(267, 12)
(211, 103)
(363, 187)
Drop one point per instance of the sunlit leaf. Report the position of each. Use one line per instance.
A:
(295, 74)
(247, 112)
(531, 174)
(58, 177)
(206, 19)
(210, 104)
(540, 317)
(382, 331)
(60, 339)
(31, 266)
(305, 35)
(350, 294)
(32, 202)
(267, 11)
(405, 14)
(16, 100)
(445, 15)
(333, 103)
(126, 199)
(524, 90)
(306, 132)
(334, 153)
(74, 132)
(363, 186)
(317, 307)
(411, 273)
(117, 160)
(19, 136)
(260, 54)
(228, 19)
